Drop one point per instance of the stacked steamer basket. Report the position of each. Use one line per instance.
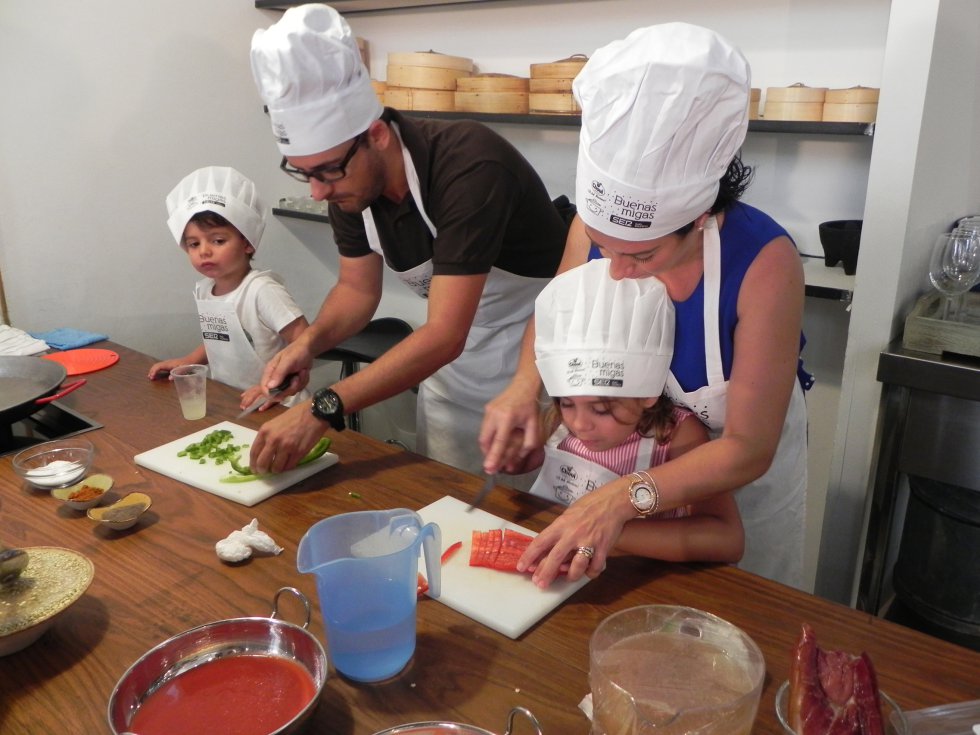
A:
(550, 86)
(495, 93)
(856, 104)
(424, 80)
(797, 102)
(755, 97)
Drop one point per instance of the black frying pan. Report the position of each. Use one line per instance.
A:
(27, 383)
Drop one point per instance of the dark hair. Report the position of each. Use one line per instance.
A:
(656, 421)
(732, 185)
(210, 219)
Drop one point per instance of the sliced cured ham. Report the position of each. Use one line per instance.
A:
(832, 692)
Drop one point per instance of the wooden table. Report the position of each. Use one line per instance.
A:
(163, 577)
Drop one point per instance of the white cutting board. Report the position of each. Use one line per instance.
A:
(208, 476)
(508, 602)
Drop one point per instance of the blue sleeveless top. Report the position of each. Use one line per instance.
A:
(745, 231)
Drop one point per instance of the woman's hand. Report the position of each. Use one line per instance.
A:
(593, 521)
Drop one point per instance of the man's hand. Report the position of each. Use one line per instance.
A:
(283, 441)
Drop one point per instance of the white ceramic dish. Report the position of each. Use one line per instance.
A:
(53, 581)
(96, 483)
(123, 513)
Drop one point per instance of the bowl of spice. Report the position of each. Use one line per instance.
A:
(85, 494)
(123, 513)
(55, 464)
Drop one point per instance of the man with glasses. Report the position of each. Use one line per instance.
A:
(451, 207)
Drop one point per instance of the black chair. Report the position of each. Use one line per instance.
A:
(379, 336)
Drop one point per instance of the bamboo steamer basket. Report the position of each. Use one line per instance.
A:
(561, 69)
(555, 103)
(494, 93)
(408, 98)
(427, 70)
(755, 98)
(550, 86)
(855, 104)
(797, 102)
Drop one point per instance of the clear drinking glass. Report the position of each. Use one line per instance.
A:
(955, 266)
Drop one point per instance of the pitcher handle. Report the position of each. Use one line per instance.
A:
(432, 546)
(296, 593)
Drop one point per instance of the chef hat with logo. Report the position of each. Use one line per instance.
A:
(310, 75)
(221, 190)
(596, 336)
(664, 112)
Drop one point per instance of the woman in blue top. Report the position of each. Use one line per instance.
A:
(664, 113)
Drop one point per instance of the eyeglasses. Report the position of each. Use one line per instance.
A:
(327, 173)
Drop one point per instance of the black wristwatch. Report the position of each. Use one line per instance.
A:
(328, 407)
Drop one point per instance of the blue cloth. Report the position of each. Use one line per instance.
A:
(68, 339)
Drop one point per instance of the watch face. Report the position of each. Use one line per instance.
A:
(642, 497)
(329, 403)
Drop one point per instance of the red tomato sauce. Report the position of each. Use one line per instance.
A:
(238, 695)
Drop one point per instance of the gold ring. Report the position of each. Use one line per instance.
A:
(586, 551)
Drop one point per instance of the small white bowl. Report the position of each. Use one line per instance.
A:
(98, 484)
(55, 464)
(892, 715)
(123, 513)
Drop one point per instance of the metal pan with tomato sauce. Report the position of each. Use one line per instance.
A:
(242, 676)
(456, 728)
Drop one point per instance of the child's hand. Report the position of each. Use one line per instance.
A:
(253, 394)
(162, 369)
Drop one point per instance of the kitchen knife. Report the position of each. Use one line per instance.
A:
(491, 481)
(259, 402)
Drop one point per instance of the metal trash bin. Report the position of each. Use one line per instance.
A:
(937, 574)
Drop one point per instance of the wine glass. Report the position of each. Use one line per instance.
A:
(955, 265)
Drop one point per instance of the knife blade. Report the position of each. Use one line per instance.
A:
(259, 402)
(488, 485)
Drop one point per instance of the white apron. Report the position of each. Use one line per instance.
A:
(565, 477)
(773, 507)
(231, 358)
(450, 402)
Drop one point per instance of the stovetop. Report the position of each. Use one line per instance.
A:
(51, 422)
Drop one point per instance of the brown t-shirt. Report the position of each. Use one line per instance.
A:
(488, 204)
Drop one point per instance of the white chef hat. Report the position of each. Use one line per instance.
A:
(310, 75)
(218, 189)
(664, 112)
(596, 336)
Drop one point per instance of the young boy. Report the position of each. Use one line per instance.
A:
(246, 315)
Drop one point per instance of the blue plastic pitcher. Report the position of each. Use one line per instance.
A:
(366, 567)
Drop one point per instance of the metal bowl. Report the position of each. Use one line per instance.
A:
(456, 728)
(234, 637)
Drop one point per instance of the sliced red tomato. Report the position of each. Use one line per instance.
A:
(450, 551)
(498, 549)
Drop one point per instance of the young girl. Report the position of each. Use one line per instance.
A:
(246, 315)
(603, 350)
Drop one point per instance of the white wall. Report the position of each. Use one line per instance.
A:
(108, 104)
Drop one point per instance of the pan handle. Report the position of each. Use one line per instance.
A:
(65, 390)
